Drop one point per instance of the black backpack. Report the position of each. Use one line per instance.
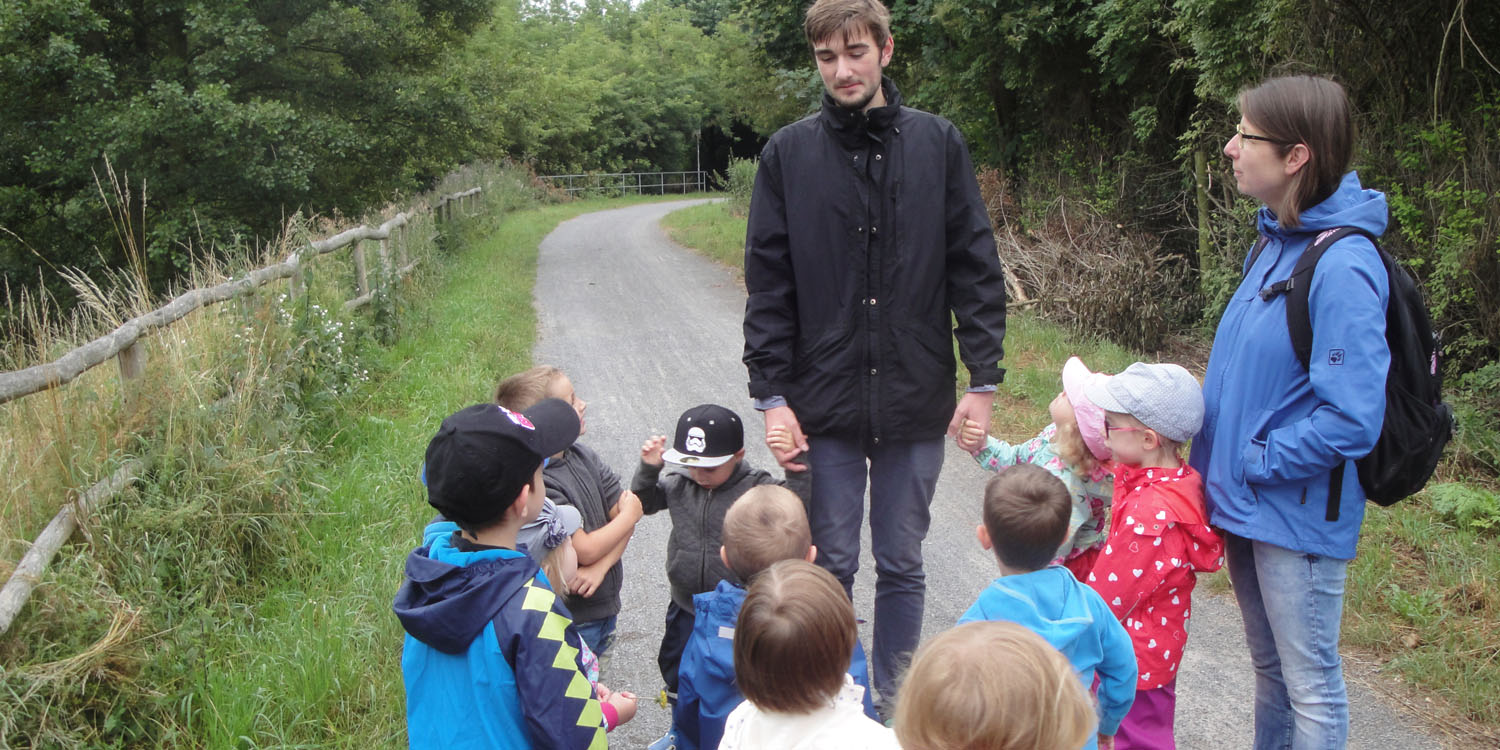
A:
(1417, 423)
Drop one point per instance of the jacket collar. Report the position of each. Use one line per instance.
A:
(853, 125)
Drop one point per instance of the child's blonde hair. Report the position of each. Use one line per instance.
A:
(794, 638)
(765, 525)
(1067, 442)
(992, 686)
(524, 389)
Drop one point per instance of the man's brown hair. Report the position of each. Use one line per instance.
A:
(1026, 513)
(765, 525)
(794, 638)
(1315, 112)
(992, 685)
(847, 17)
(523, 390)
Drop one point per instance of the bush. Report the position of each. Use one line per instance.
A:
(739, 182)
(1077, 267)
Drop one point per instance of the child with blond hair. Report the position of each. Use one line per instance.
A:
(1072, 448)
(1159, 537)
(792, 646)
(578, 478)
(992, 685)
(766, 525)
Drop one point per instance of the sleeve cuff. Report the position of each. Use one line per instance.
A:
(770, 402)
(982, 388)
(611, 716)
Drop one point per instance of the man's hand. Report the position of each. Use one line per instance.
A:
(782, 420)
(651, 450)
(975, 407)
(971, 436)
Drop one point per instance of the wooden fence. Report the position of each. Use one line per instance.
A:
(126, 344)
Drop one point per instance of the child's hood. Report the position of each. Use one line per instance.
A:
(450, 595)
(1049, 603)
(1149, 506)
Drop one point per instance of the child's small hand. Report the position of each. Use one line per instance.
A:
(651, 450)
(624, 702)
(779, 439)
(586, 581)
(629, 506)
(971, 436)
(1106, 742)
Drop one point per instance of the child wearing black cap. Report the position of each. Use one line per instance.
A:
(491, 654)
(709, 450)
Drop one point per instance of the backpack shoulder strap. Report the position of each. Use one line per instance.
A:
(1297, 287)
(1260, 244)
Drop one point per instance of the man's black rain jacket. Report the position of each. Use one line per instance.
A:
(866, 231)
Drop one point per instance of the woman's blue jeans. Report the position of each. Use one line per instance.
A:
(1292, 603)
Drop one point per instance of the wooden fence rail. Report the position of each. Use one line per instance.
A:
(125, 343)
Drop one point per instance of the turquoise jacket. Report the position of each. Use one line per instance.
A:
(1272, 430)
(1075, 620)
(491, 656)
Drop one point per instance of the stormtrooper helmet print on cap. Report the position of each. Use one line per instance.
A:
(707, 436)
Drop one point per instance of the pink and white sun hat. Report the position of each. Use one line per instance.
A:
(1076, 377)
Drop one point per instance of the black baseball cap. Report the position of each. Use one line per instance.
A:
(484, 454)
(707, 436)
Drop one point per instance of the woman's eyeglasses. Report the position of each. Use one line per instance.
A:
(1240, 131)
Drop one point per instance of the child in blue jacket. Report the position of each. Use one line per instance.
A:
(1026, 512)
(491, 657)
(765, 525)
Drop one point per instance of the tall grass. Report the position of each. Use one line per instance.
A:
(165, 622)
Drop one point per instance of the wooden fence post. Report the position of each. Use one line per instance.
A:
(132, 360)
(401, 250)
(385, 260)
(362, 276)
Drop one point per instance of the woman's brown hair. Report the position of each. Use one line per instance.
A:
(794, 638)
(1316, 113)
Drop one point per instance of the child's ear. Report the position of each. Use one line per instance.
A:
(1152, 440)
(812, 553)
(983, 535)
(724, 555)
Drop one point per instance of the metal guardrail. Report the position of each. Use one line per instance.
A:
(640, 183)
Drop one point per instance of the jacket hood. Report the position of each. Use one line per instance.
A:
(1043, 601)
(1182, 503)
(450, 595)
(1350, 206)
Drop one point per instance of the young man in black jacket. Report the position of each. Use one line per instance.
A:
(866, 233)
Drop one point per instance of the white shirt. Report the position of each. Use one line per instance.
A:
(841, 725)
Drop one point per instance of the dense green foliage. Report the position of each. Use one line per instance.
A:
(224, 120)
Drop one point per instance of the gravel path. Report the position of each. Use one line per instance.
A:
(647, 329)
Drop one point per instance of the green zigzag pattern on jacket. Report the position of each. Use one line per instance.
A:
(554, 626)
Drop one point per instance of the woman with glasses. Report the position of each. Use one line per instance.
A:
(1274, 431)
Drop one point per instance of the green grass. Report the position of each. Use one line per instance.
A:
(710, 229)
(1421, 596)
(240, 596)
(321, 665)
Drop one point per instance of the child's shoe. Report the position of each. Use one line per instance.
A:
(668, 741)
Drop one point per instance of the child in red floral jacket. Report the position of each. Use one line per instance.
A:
(1159, 538)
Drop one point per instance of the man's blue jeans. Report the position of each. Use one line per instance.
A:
(1292, 602)
(901, 477)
